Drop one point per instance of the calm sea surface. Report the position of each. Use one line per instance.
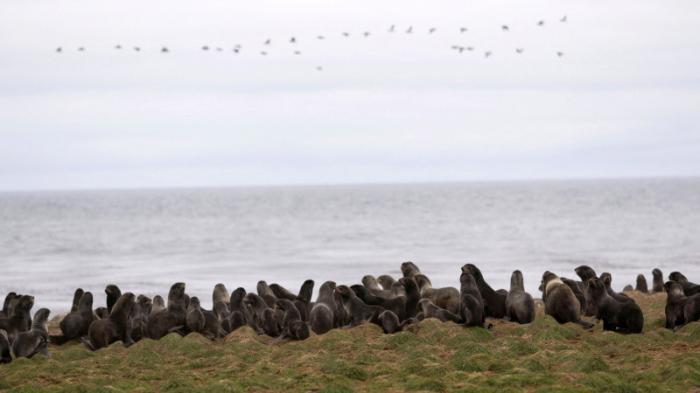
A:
(53, 242)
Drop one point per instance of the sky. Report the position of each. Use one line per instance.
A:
(622, 101)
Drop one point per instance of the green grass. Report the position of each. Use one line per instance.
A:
(438, 357)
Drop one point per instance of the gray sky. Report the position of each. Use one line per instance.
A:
(623, 101)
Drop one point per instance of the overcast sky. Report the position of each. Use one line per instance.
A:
(624, 100)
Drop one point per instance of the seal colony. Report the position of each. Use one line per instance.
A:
(393, 304)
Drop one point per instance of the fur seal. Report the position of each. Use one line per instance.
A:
(641, 284)
(236, 316)
(77, 322)
(139, 319)
(578, 290)
(386, 281)
(389, 322)
(675, 304)
(689, 288)
(113, 294)
(358, 311)
(171, 318)
(117, 327)
(494, 302)
(560, 301)
(628, 288)
(256, 308)
(281, 292)
(28, 344)
(412, 295)
(76, 298)
(471, 303)
(520, 306)
(607, 280)
(10, 301)
(430, 310)
(202, 321)
(617, 316)
(409, 269)
(101, 313)
(220, 295)
(5, 353)
(20, 320)
(323, 316)
(158, 304)
(658, 283)
(397, 305)
(293, 326)
(266, 293)
(447, 297)
(585, 273)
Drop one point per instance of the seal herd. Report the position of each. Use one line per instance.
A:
(392, 304)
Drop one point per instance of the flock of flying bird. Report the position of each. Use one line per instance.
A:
(293, 40)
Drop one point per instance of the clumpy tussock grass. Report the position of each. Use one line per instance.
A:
(437, 357)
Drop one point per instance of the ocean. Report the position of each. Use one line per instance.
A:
(52, 242)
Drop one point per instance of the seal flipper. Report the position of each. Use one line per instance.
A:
(86, 341)
(58, 340)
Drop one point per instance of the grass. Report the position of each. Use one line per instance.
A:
(437, 357)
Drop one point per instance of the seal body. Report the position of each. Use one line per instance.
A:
(560, 301)
(116, 327)
(5, 352)
(494, 302)
(658, 283)
(77, 322)
(617, 316)
(520, 306)
(171, 318)
(471, 304)
(641, 284)
(27, 344)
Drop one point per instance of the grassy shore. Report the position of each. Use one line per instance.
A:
(543, 356)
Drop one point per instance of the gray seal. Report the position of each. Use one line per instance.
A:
(28, 344)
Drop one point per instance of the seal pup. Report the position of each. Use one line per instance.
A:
(77, 322)
(322, 316)
(358, 311)
(139, 319)
(293, 326)
(412, 295)
(471, 303)
(158, 304)
(202, 321)
(617, 316)
(281, 292)
(658, 282)
(256, 308)
(430, 310)
(585, 273)
(560, 301)
(675, 305)
(628, 288)
(447, 297)
(171, 318)
(21, 319)
(578, 290)
(409, 269)
(28, 344)
(641, 284)
(494, 302)
(5, 353)
(520, 307)
(607, 280)
(386, 281)
(389, 322)
(220, 295)
(397, 305)
(116, 327)
(266, 293)
(10, 301)
(76, 299)
(113, 294)
(373, 287)
(689, 288)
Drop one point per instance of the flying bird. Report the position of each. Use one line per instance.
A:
(296, 52)
(292, 40)
(267, 42)
(410, 30)
(117, 46)
(218, 49)
(81, 49)
(563, 19)
(560, 54)
(519, 50)
(164, 50)
(463, 29)
(205, 47)
(320, 37)
(366, 33)
(505, 28)
(540, 23)
(59, 49)
(391, 29)
(263, 53)
(236, 50)
(137, 49)
(487, 54)
(345, 33)
(319, 68)
(431, 30)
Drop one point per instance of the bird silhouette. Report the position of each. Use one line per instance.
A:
(540, 23)
(463, 30)
(292, 40)
(487, 54)
(117, 47)
(296, 52)
(410, 30)
(236, 50)
(137, 49)
(519, 50)
(431, 30)
(81, 49)
(505, 28)
(560, 54)
(345, 33)
(164, 50)
(470, 48)
(205, 47)
(263, 53)
(392, 28)
(563, 19)
(366, 33)
(321, 37)
(268, 41)
(59, 49)
(319, 68)
(218, 49)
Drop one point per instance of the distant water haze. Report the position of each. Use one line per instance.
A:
(144, 240)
